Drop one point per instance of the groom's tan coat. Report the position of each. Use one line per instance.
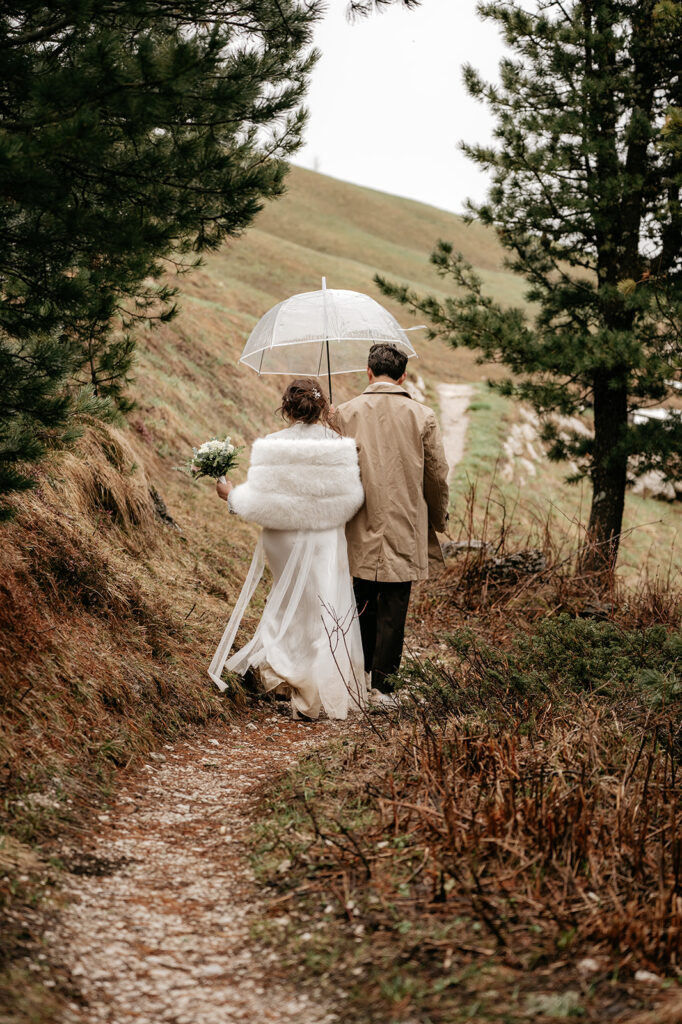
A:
(404, 473)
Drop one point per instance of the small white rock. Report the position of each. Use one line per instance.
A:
(588, 965)
(647, 976)
(211, 969)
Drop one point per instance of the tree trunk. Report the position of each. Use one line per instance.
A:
(609, 476)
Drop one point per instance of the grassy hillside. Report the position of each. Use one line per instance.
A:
(109, 614)
(327, 227)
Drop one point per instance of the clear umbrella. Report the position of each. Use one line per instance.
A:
(324, 332)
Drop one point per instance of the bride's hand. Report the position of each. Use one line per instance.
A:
(223, 489)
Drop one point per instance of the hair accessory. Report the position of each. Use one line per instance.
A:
(316, 393)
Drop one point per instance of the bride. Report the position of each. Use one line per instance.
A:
(303, 485)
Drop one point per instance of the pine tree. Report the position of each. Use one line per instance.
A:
(361, 8)
(38, 410)
(33, 401)
(668, 16)
(586, 201)
(134, 136)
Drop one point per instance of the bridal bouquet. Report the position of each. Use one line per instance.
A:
(213, 458)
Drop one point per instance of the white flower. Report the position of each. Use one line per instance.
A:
(213, 457)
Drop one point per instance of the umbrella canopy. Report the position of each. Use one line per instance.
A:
(323, 332)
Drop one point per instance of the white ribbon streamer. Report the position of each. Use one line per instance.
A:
(256, 569)
(298, 564)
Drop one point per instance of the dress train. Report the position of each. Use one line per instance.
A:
(308, 636)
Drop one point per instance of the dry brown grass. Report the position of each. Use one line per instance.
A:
(99, 662)
(17, 857)
(558, 828)
(508, 566)
(507, 824)
(520, 814)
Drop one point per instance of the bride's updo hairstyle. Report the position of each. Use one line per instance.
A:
(304, 401)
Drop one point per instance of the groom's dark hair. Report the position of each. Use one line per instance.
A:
(386, 360)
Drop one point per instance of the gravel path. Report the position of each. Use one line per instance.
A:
(161, 900)
(454, 400)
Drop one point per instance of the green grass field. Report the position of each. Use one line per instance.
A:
(534, 492)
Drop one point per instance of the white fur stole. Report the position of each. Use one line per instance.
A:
(301, 484)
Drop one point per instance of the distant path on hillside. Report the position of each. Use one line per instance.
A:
(158, 930)
(454, 401)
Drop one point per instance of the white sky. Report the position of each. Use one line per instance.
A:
(387, 103)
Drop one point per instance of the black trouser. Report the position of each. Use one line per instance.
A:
(382, 609)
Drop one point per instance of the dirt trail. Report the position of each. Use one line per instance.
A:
(158, 927)
(454, 401)
(162, 898)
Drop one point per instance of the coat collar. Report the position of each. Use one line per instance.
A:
(383, 387)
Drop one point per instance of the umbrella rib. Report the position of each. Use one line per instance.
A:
(329, 372)
(272, 335)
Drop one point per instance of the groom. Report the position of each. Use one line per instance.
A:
(392, 539)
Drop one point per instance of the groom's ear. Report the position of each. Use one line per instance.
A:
(370, 375)
(401, 380)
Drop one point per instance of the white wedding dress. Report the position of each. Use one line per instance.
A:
(309, 636)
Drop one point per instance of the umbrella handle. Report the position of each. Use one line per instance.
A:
(326, 338)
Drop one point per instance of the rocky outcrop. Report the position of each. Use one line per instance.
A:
(653, 484)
